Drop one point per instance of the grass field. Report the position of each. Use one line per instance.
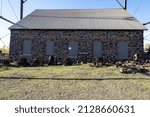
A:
(79, 71)
(44, 85)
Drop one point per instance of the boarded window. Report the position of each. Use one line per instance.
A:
(73, 48)
(122, 50)
(97, 49)
(27, 46)
(49, 47)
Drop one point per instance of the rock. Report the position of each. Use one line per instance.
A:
(123, 70)
(142, 69)
(129, 71)
(118, 64)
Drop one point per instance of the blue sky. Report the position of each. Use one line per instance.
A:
(138, 8)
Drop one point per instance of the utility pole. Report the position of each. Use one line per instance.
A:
(126, 2)
(21, 8)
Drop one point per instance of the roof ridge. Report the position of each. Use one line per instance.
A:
(85, 9)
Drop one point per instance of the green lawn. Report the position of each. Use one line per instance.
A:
(69, 86)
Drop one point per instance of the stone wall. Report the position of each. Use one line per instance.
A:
(109, 41)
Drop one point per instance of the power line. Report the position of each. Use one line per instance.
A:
(5, 36)
(13, 9)
(147, 35)
(3, 41)
(138, 7)
(120, 4)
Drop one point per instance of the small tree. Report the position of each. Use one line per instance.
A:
(4, 50)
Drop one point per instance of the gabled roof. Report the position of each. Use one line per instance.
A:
(86, 19)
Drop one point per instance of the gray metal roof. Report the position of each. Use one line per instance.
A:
(99, 19)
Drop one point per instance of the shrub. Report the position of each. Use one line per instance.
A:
(6, 62)
(51, 60)
(67, 61)
(22, 62)
(35, 62)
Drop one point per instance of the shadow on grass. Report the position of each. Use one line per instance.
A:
(69, 79)
(146, 72)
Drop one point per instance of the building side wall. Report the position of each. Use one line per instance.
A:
(61, 40)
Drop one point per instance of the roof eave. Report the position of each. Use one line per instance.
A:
(75, 29)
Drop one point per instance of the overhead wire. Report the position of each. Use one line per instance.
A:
(138, 6)
(3, 41)
(5, 36)
(13, 9)
(120, 4)
(147, 35)
(1, 11)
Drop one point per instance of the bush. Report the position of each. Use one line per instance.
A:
(6, 62)
(22, 62)
(67, 61)
(51, 60)
(35, 62)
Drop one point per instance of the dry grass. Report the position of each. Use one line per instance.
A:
(79, 71)
(75, 89)
(42, 88)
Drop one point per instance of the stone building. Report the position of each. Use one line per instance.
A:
(78, 33)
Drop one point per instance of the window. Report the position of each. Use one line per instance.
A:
(97, 49)
(27, 46)
(122, 50)
(73, 48)
(49, 47)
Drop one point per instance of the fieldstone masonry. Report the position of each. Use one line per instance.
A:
(85, 38)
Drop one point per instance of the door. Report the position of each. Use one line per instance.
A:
(73, 48)
(97, 49)
(122, 50)
(27, 46)
(49, 47)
